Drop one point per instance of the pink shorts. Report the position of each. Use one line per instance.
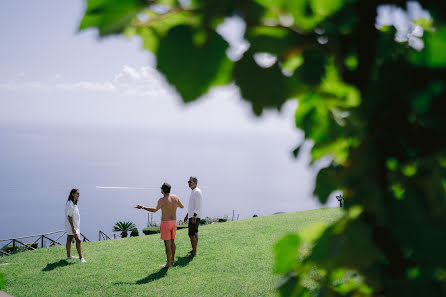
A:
(168, 229)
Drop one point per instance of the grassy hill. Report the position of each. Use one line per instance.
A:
(235, 259)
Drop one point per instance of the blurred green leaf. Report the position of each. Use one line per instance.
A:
(110, 16)
(263, 87)
(312, 233)
(327, 7)
(288, 286)
(271, 39)
(205, 66)
(313, 68)
(424, 23)
(433, 55)
(346, 247)
(285, 251)
(292, 62)
(409, 169)
(398, 191)
(328, 180)
(422, 100)
(392, 164)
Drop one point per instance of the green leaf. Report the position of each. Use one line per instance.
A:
(271, 39)
(313, 232)
(328, 180)
(263, 87)
(347, 243)
(285, 251)
(398, 191)
(392, 164)
(433, 55)
(327, 7)
(292, 62)
(313, 68)
(426, 24)
(150, 39)
(289, 287)
(193, 68)
(348, 282)
(110, 16)
(409, 169)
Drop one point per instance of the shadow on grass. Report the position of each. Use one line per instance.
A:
(153, 277)
(57, 264)
(181, 262)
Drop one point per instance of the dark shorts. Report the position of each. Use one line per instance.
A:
(193, 228)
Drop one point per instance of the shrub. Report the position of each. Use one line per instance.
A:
(33, 245)
(203, 222)
(182, 226)
(124, 228)
(156, 230)
(12, 249)
(134, 233)
(151, 230)
(255, 216)
(222, 220)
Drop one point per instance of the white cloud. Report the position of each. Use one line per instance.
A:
(130, 81)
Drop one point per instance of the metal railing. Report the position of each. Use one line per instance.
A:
(103, 236)
(20, 246)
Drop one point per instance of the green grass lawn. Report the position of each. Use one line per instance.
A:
(235, 259)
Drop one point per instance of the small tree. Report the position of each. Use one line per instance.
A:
(124, 228)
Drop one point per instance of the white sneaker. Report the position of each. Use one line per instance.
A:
(82, 260)
(72, 257)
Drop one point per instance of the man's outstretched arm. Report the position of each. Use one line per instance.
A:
(151, 209)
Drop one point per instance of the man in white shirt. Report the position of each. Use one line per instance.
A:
(194, 213)
(72, 224)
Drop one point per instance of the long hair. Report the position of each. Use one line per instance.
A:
(71, 197)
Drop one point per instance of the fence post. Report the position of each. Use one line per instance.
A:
(42, 242)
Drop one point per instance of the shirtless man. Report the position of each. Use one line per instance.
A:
(168, 204)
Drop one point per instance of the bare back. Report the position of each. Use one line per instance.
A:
(169, 207)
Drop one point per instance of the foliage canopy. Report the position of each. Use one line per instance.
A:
(366, 97)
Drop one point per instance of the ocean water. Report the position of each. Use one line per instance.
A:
(116, 167)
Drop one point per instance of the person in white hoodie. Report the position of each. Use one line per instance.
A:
(194, 214)
(72, 224)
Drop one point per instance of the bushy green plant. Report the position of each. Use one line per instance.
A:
(33, 245)
(151, 230)
(134, 233)
(12, 249)
(255, 216)
(124, 228)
